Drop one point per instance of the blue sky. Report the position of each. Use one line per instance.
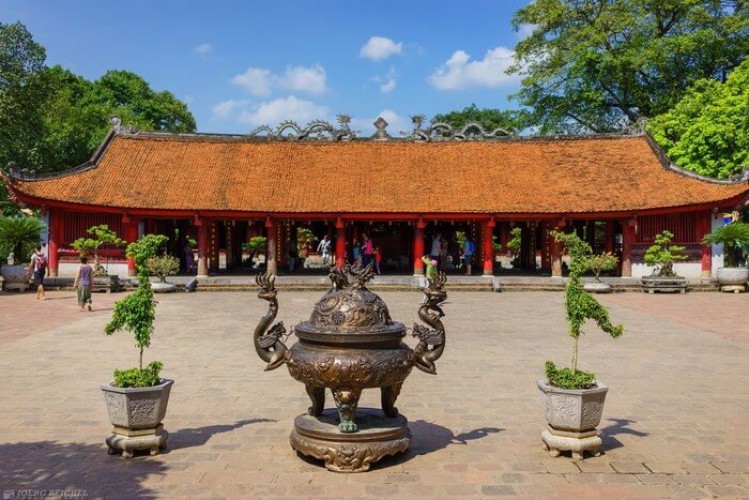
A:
(241, 64)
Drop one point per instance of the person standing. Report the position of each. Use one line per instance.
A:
(377, 259)
(39, 267)
(357, 253)
(45, 252)
(436, 249)
(324, 249)
(367, 250)
(83, 283)
(468, 249)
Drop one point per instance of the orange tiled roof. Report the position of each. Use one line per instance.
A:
(172, 172)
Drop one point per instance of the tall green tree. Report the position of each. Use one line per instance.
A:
(51, 118)
(707, 132)
(600, 65)
(490, 119)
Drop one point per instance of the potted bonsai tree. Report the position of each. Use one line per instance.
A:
(573, 399)
(137, 398)
(662, 254)
(163, 266)
(100, 236)
(735, 240)
(18, 237)
(597, 264)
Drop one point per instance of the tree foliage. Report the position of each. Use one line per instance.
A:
(490, 119)
(599, 65)
(51, 118)
(19, 235)
(707, 131)
(735, 240)
(663, 253)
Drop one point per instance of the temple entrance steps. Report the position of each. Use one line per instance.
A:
(320, 282)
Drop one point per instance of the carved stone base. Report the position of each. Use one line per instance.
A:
(733, 288)
(556, 441)
(377, 436)
(128, 441)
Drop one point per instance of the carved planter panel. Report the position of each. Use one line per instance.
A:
(573, 410)
(137, 407)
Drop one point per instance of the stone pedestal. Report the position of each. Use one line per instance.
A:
(733, 288)
(128, 441)
(556, 441)
(378, 436)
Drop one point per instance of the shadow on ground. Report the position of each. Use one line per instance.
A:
(620, 426)
(428, 438)
(72, 470)
(198, 436)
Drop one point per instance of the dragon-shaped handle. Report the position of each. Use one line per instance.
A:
(431, 340)
(268, 344)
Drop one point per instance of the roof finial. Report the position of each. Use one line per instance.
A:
(116, 122)
(381, 134)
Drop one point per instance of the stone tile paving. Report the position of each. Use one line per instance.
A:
(674, 423)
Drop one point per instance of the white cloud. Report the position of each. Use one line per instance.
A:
(310, 79)
(379, 48)
(260, 81)
(204, 49)
(227, 109)
(288, 108)
(388, 82)
(257, 81)
(396, 123)
(460, 72)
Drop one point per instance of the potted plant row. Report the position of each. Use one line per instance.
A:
(734, 237)
(662, 254)
(137, 398)
(573, 399)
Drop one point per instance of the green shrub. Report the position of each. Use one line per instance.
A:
(139, 377)
(580, 307)
(19, 235)
(163, 266)
(662, 254)
(566, 378)
(735, 240)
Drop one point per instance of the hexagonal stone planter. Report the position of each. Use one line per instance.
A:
(572, 415)
(136, 414)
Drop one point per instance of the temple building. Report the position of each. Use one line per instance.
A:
(616, 191)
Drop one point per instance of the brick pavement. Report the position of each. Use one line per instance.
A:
(672, 425)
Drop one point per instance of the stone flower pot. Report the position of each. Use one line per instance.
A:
(597, 287)
(572, 415)
(15, 277)
(733, 276)
(136, 414)
(163, 287)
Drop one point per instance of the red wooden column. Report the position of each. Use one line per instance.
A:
(419, 247)
(270, 250)
(488, 253)
(628, 238)
(556, 252)
(130, 227)
(610, 237)
(55, 239)
(202, 247)
(340, 243)
(706, 259)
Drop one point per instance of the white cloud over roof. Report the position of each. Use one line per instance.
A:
(261, 81)
(460, 72)
(378, 48)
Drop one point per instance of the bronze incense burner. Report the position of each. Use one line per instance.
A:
(350, 343)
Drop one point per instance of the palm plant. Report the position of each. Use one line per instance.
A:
(19, 235)
(735, 240)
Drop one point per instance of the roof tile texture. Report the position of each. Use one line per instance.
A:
(516, 176)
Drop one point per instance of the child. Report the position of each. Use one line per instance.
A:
(83, 283)
(431, 264)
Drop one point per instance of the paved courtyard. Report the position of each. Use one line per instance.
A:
(675, 422)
